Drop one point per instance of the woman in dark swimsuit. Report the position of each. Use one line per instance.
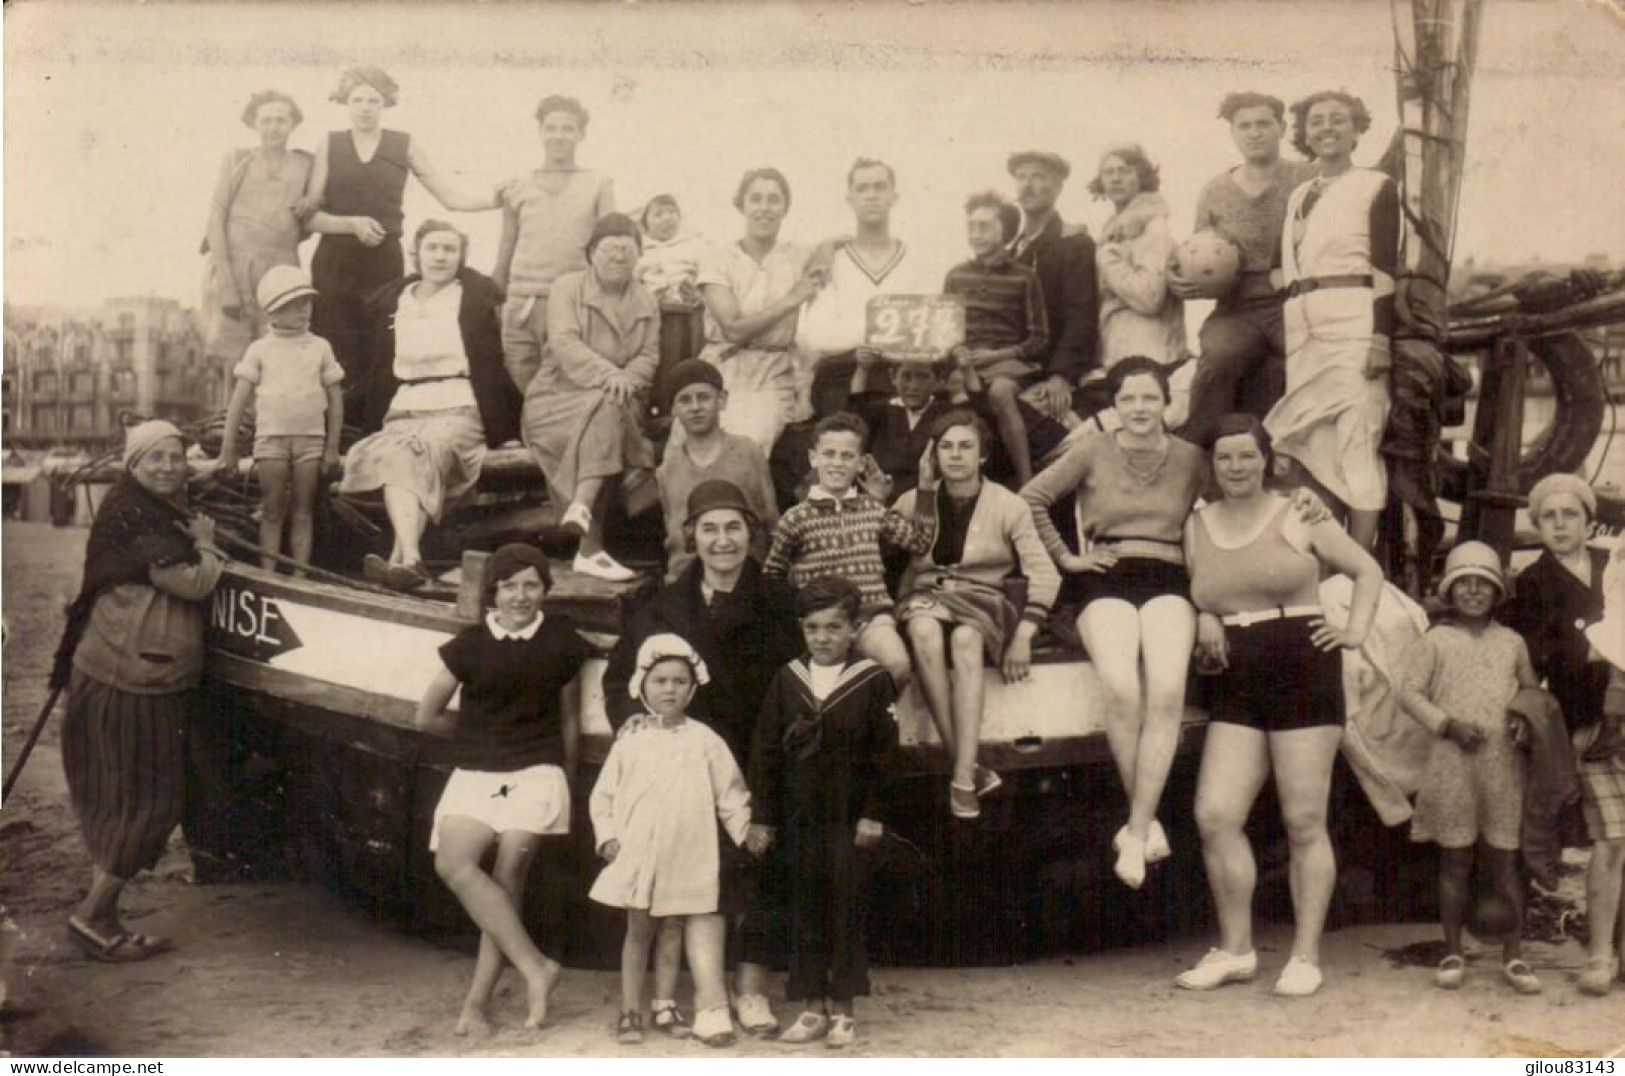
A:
(354, 200)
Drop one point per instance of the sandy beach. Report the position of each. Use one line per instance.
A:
(291, 970)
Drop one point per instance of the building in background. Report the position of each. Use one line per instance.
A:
(71, 375)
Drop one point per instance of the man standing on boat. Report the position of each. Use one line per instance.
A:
(873, 262)
(1243, 342)
(1064, 259)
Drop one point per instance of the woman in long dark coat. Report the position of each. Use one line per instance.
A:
(743, 626)
(130, 660)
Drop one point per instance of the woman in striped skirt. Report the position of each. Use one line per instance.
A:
(130, 660)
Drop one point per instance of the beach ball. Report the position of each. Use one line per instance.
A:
(1210, 261)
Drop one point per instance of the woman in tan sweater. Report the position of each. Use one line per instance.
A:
(954, 600)
(1134, 488)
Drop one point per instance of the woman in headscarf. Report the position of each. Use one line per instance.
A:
(581, 416)
(130, 660)
(252, 226)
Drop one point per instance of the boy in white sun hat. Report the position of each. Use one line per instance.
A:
(291, 376)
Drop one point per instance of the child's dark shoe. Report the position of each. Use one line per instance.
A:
(629, 1029)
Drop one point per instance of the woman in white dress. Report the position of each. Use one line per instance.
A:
(1339, 252)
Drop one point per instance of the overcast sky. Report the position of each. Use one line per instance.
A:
(117, 116)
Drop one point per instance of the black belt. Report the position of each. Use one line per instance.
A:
(432, 380)
(1317, 283)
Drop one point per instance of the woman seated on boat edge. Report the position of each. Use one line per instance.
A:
(437, 396)
(1278, 707)
(953, 599)
(1135, 486)
(583, 410)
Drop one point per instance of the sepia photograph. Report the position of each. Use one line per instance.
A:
(914, 528)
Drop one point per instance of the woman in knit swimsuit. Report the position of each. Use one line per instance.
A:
(1278, 709)
(1134, 486)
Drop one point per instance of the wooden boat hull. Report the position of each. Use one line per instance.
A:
(306, 764)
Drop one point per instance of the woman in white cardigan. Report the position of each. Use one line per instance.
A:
(1138, 314)
(954, 599)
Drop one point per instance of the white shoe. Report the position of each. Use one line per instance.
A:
(756, 1014)
(714, 1027)
(1298, 979)
(577, 517)
(603, 566)
(843, 1032)
(1217, 968)
(1130, 865)
(808, 1026)
(1156, 843)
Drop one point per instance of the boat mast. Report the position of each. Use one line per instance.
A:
(1435, 50)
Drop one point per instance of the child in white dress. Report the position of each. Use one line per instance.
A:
(666, 783)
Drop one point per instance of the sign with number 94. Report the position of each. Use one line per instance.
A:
(914, 328)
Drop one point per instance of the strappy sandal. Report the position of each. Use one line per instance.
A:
(670, 1019)
(125, 947)
(1452, 969)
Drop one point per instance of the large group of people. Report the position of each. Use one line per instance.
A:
(840, 526)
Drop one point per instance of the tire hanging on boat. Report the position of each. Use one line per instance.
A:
(1581, 397)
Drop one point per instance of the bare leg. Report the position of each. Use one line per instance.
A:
(463, 842)
(880, 643)
(752, 978)
(99, 909)
(1503, 867)
(668, 957)
(1235, 762)
(514, 850)
(931, 672)
(273, 476)
(307, 477)
(591, 492)
(970, 692)
(1167, 636)
(1110, 628)
(1302, 761)
(640, 932)
(1603, 879)
(1455, 867)
(705, 936)
(1001, 400)
(408, 520)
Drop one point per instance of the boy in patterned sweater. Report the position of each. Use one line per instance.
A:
(840, 527)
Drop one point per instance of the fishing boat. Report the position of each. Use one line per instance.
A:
(308, 763)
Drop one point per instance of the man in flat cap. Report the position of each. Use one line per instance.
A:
(1065, 261)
